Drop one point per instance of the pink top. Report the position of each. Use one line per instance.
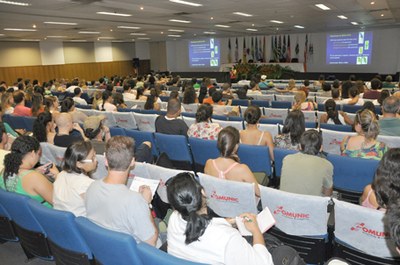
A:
(20, 110)
(221, 174)
(367, 204)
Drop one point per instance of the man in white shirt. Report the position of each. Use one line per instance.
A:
(77, 98)
(71, 88)
(128, 95)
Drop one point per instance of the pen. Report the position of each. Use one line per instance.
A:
(247, 219)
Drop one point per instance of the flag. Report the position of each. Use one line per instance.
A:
(279, 47)
(265, 51)
(305, 53)
(236, 50)
(289, 52)
(276, 49)
(252, 48)
(272, 49)
(256, 58)
(244, 51)
(229, 51)
(260, 50)
(283, 55)
(297, 49)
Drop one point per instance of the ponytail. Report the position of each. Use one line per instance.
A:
(330, 108)
(228, 138)
(195, 227)
(12, 162)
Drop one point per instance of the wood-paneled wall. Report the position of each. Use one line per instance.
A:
(87, 71)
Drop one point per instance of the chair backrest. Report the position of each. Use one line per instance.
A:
(125, 120)
(203, 150)
(153, 256)
(8, 118)
(363, 229)
(18, 122)
(52, 153)
(110, 119)
(109, 246)
(189, 120)
(261, 103)
(7, 231)
(275, 113)
(240, 102)
(279, 155)
(263, 97)
(256, 157)
(336, 127)
(136, 104)
(29, 123)
(352, 173)
(60, 228)
(228, 198)
(309, 116)
(288, 98)
(175, 146)
(101, 170)
(351, 108)
(117, 131)
(390, 141)
(331, 140)
(297, 214)
(236, 124)
(192, 108)
(145, 122)
(142, 136)
(321, 100)
(88, 112)
(273, 129)
(281, 104)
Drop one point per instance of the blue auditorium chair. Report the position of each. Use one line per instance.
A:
(140, 137)
(336, 127)
(257, 158)
(177, 149)
(281, 104)
(203, 150)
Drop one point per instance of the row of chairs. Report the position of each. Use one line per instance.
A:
(57, 235)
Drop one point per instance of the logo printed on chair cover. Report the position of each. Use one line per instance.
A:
(144, 122)
(291, 215)
(215, 196)
(121, 120)
(335, 141)
(361, 227)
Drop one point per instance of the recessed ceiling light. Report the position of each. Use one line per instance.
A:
(252, 29)
(252, 25)
(1, 34)
(185, 3)
(176, 36)
(176, 30)
(242, 14)
(14, 29)
(342, 17)
(78, 40)
(322, 6)
(372, 3)
(127, 27)
(29, 39)
(89, 32)
(143, 38)
(162, 32)
(354, 23)
(60, 23)
(14, 3)
(114, 14)
(138, 34)
(222, 26)
(34, 26)
(56, 37)
(180, 21)
(141, 8)
(382, 15)
(298, 26)
(111, 30)
(276, 21)
(209, 32)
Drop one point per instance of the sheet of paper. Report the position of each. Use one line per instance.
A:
(138, 181)
(265, 221)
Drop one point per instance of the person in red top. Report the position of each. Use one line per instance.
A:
(374, 92)
(20, 109)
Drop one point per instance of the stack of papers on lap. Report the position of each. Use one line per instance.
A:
(265, 221)
(138, 181)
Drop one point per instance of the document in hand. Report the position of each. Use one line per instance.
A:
(138, 181)
(265, 221)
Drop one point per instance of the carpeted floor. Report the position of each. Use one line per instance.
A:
(12, 254)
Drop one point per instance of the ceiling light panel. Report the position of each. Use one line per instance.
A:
(114, 14)
(180, 21)
(176, 30)
(222, 26)
(276, 21)
(60, 23)
(14, 3)
(127, 27)
(322, 6)
(15, 29)
(186, 3)
(242, 14)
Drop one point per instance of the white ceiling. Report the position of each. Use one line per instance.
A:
(153, 20)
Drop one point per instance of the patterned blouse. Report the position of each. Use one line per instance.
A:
(283, 141)
(375, 152)
(205, 130)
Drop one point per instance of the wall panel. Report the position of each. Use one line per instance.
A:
(87, 71)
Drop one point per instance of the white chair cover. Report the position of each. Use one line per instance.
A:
(273, 129)
(52, 153)
(88, 112)
(192, 108)
(309, 116)
(243, 110)
(110, 119)
(125, 120)
(101, 170)
(272, 113)
(135, 104)
(297, 214)
(331, 140)
(363, 229)
(189, 120)
(236, 124)
(390, 141)
(284, 97)
(321, 100)
(145, 122)
(269, 97)
(228, 198)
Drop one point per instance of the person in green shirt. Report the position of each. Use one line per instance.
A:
(389, 124)
(19, 175)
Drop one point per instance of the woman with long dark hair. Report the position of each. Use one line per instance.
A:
(71, 183)
(107, 101)
(68, 105)
(293, 128)
(44, 128)
(194, 235)
(19, 175)
(333, 116)
(37, 104)
(227, 165)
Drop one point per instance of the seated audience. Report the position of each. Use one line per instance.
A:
(364, 144)
(385, 187)
(300, 102)
(97, 101)
(128, 93)
(119, 101)
(293, 128)
(97, 133)
(112, 205)
(354, 97)
(170, 123)
(51, 104)
(389, 124)
(263, 84)
(68, 106)
(19, 175)
(44, 128)
(211, 92)
(374, 92)
(37, 104)
(346, 85)
(228, 166)
(77, 97)
(193, 234)
(140, 94)
(65, 135)
(73, 181)
(20, 109)
(388, 83)
(151, 102)
(7, 102)
(333, 116)
(384, 94)
(189, 96)
(252, 135)
(204, 128)
(326, 90)
(254, 88)
(315, 176)
(107, 105)
(226, 91)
